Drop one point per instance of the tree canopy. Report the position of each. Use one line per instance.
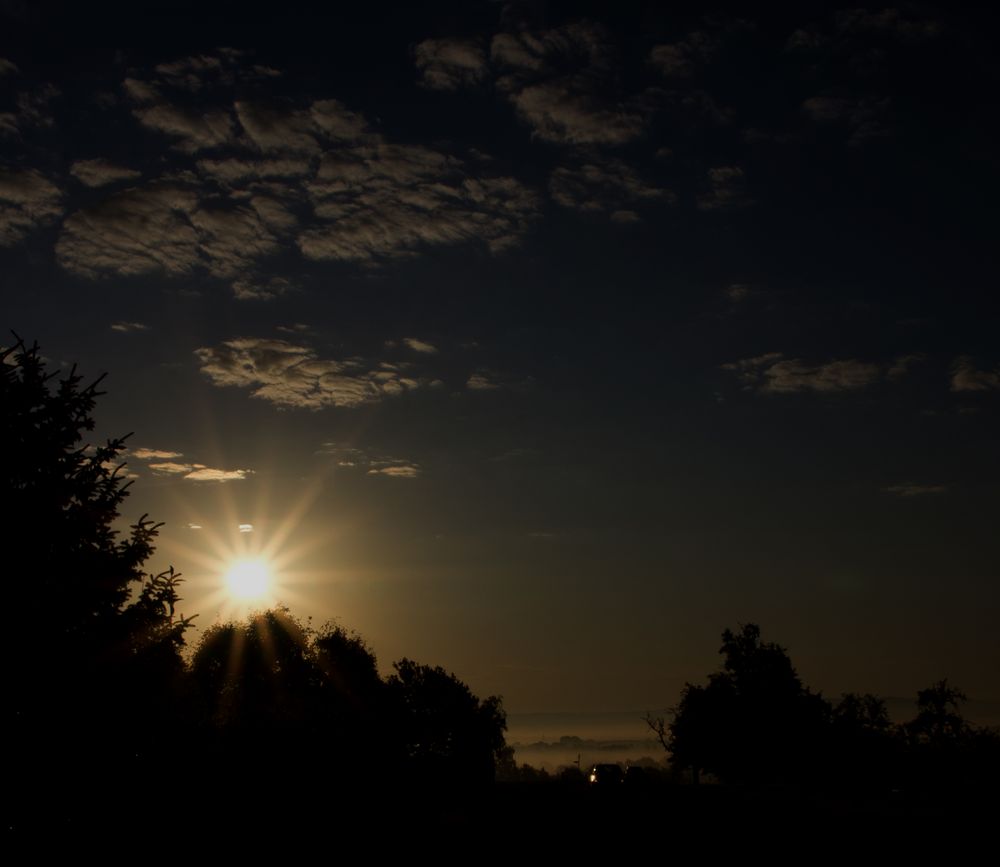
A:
(79, 580)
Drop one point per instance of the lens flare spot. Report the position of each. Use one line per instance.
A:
(248, 579)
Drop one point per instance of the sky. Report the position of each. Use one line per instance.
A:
(540, 341)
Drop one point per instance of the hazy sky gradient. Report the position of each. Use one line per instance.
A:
(539, 341)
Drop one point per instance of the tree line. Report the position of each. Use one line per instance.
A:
(756, 723)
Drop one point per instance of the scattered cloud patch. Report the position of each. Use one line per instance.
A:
(197, 472)
(194, 130)
(611, 186)
(396, 471)
(726, 190)
(421, 346)
(352, 458)
(171, 468)
(903, 364)
(208, 474)
(261, 288)
(289, 375)
(481, 381)
(7, 67)
(965, 376)
(686, 57)
(245, 528)
(99, 173)
(775, 374)
(144, 454)
(564, 83)
(864, 117)
(450, 64)
(126, 327)
(28, 201)
(380, 201)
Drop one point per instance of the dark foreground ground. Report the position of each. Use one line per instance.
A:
(505, 823)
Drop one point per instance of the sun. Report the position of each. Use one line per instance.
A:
(249, 579)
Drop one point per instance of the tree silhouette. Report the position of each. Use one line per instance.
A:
(450, 736)
(754, 721)
(96, 640)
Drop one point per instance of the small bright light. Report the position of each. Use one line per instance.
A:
(248, 579)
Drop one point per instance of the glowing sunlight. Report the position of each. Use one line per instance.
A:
(249, 580)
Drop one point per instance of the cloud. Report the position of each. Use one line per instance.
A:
(610, 186)
(276, 130)
(99, 172)
(481, 382)
(895, 23)
(198, 472)
(140, 91)
(291, 375)
(261, 288)
(351, 458)
(134, 231)
(421, 346)
(726, 190)
(965, 376)
(196, 130)
(171, 468)
(190, 73)
(235, 171)
(562, 111)
(144, 454)
(911, 490)
(563, 82)
(902, 365)
(7, 67)
(448, 64)
(165, 226)
(28, 201)
(399, 471)
(260, 178)
(687, 56)
(380, 200)
(864, 117)
(208, 474)
(775, 374)
(126, 327)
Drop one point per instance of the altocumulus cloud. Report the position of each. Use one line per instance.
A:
(198, 472)
(965, 376)
(162, 463)
(249, 179)
(28, 201)
(396, 471)
(99, 172)
(145, 454)
(564, 83)
(290, 375)
(448, 64)
(352, 458)
(773, 373)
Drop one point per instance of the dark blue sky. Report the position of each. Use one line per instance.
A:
(540, 341)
